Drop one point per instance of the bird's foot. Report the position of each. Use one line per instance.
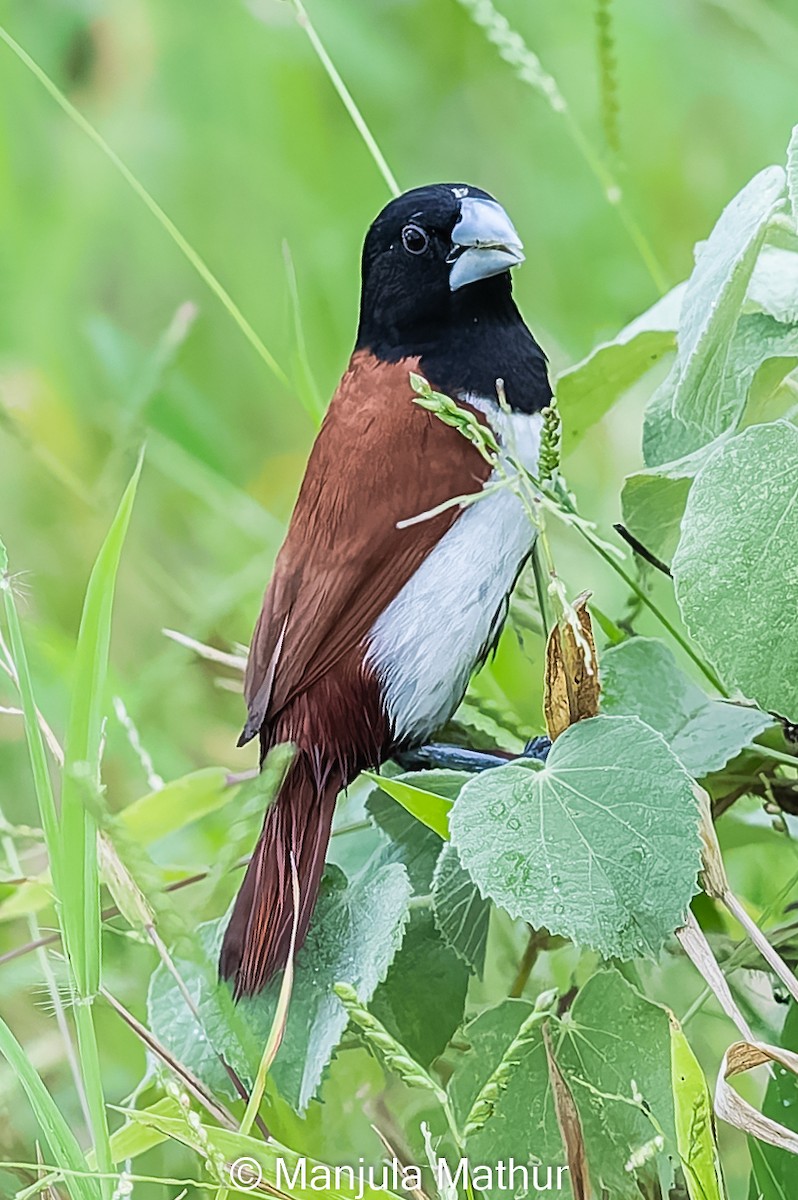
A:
(435, 756)
(537, 748)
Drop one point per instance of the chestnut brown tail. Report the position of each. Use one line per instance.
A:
(258, 938)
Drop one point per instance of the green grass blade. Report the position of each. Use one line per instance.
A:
(60, 1139)
(346, 98)
(79, 871)
(38, 758)
(177, 804)
(182, 243)
(80, 895)
(528, 68)
(277, 1030)
(306, 384)
(265, 1155)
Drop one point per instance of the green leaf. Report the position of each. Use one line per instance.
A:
(411, 842)
(695, 1124)
(176, 805)
(765, 1184)
(792, 173)
(232, 1146)
(713, 299)
(78, 873)
(600, 845)
(487, 1037)
(653, 501)
(666, 438)
(134, 1138)
(586, 391)
(736, 565)
(424, 967)
(614, 1052)
(425, 964)
(61, 1141)
(642, 678)
(774, 284)
(757, 338)
(425, 804)
(615, 1055)
(523, 1125)
(775, 1169)
(461, 914)
(356, 931)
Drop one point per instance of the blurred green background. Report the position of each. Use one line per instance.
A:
(108, 337)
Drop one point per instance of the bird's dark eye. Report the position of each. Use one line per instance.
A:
(414, 239)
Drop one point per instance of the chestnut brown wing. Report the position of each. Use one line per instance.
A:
(378, 459)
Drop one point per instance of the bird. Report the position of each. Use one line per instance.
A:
(371, 627)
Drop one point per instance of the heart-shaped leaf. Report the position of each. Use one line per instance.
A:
(601, 845)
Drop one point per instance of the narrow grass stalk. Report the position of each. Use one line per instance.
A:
(89, 1052)
(55, 1174)
(787, 760)
(306, 380)
(695, 945)
(277, 1030)
(60, 1139)
(737, 956)
(87, 1048)
(52, 988)
(529, 69)
(77, 877)
(346, 98)
(182, 243)
(38, 759)
(188, 1080)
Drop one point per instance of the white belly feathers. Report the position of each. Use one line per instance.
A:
(425, 645)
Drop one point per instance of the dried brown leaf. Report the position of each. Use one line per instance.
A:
(570, 1125)
(572, 682)
(730, 1106)
(716, 884)
(699, 951)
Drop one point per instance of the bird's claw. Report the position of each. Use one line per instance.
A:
(435, 756)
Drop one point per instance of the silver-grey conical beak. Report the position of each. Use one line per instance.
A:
(484, 242)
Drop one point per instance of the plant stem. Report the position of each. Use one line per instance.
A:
(458, 1142)
(528, 961)
(92, 1078)
(789, 760)
(642, 595)
(528, 67)
(196, 260)
(562, 501)
(346, 98)
(52, 987)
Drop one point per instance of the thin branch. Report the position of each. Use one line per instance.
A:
(192, 1084)
(642, 550)
(236, 662)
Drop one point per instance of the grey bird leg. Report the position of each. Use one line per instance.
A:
(456, 758)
